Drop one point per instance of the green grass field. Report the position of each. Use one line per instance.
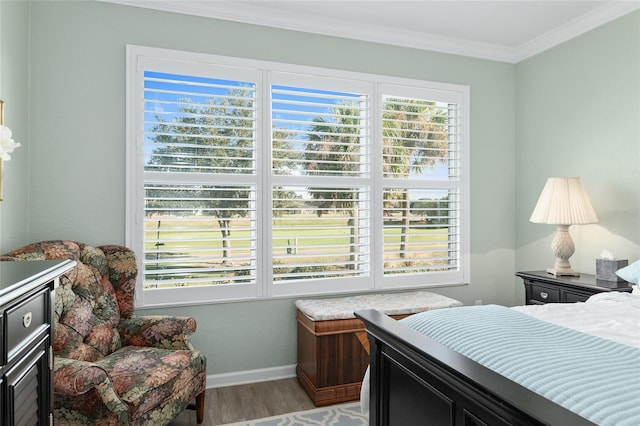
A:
(194, 245)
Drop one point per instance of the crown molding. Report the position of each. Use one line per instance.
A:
(587, 22)
(264, 16)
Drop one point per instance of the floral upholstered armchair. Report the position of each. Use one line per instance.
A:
(111, 367)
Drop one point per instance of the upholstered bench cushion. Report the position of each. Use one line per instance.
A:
(389, 304)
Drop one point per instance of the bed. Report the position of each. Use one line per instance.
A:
(555, 364)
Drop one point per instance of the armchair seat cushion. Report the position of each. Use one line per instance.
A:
(146, 377)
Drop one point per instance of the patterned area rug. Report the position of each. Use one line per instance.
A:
(334, 415)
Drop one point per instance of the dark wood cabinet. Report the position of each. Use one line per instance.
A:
(542, 287)
(26, 357)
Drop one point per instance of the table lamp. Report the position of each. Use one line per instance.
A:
(563, 202)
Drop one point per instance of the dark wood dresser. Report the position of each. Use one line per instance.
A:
(542, 287)
(26, 357)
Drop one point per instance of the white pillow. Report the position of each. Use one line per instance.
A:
(630, 273)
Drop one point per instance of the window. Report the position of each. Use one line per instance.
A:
(250, 179)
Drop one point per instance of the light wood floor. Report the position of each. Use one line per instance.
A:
(248, 402)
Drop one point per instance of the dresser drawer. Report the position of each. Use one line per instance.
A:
(24, 321)
(573, 297)
(542, 294)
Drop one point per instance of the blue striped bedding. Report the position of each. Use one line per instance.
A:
(596, 378)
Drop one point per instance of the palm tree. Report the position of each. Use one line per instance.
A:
(334, 149)
(414, 137)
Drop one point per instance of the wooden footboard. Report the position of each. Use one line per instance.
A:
(416, 381)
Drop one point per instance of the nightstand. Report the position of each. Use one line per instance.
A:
(542, 287)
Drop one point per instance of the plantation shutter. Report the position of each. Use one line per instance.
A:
(249, 179)
(321, 192)
(199, 219)
(422, 187)
(198, 125)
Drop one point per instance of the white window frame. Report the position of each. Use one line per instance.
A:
(140, 58)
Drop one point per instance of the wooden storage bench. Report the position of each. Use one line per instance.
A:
(333, 350)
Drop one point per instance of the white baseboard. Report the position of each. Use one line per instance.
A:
(250, 376)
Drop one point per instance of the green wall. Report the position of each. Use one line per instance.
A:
(14, 90)
(74, 74)
(578, 114)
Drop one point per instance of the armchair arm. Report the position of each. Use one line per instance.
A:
(73, 378)
(160, 331)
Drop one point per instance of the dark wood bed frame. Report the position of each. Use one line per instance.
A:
(418, 381)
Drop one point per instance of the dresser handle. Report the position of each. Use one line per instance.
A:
(543, 295)
(26, 320)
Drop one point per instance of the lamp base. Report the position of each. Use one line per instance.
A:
(563, 247)
(558, 272)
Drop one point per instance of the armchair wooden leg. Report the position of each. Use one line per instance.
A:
(200, 407)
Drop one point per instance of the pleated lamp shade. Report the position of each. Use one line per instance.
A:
(564, 201)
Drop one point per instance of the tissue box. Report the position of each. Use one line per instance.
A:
(606, 269)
